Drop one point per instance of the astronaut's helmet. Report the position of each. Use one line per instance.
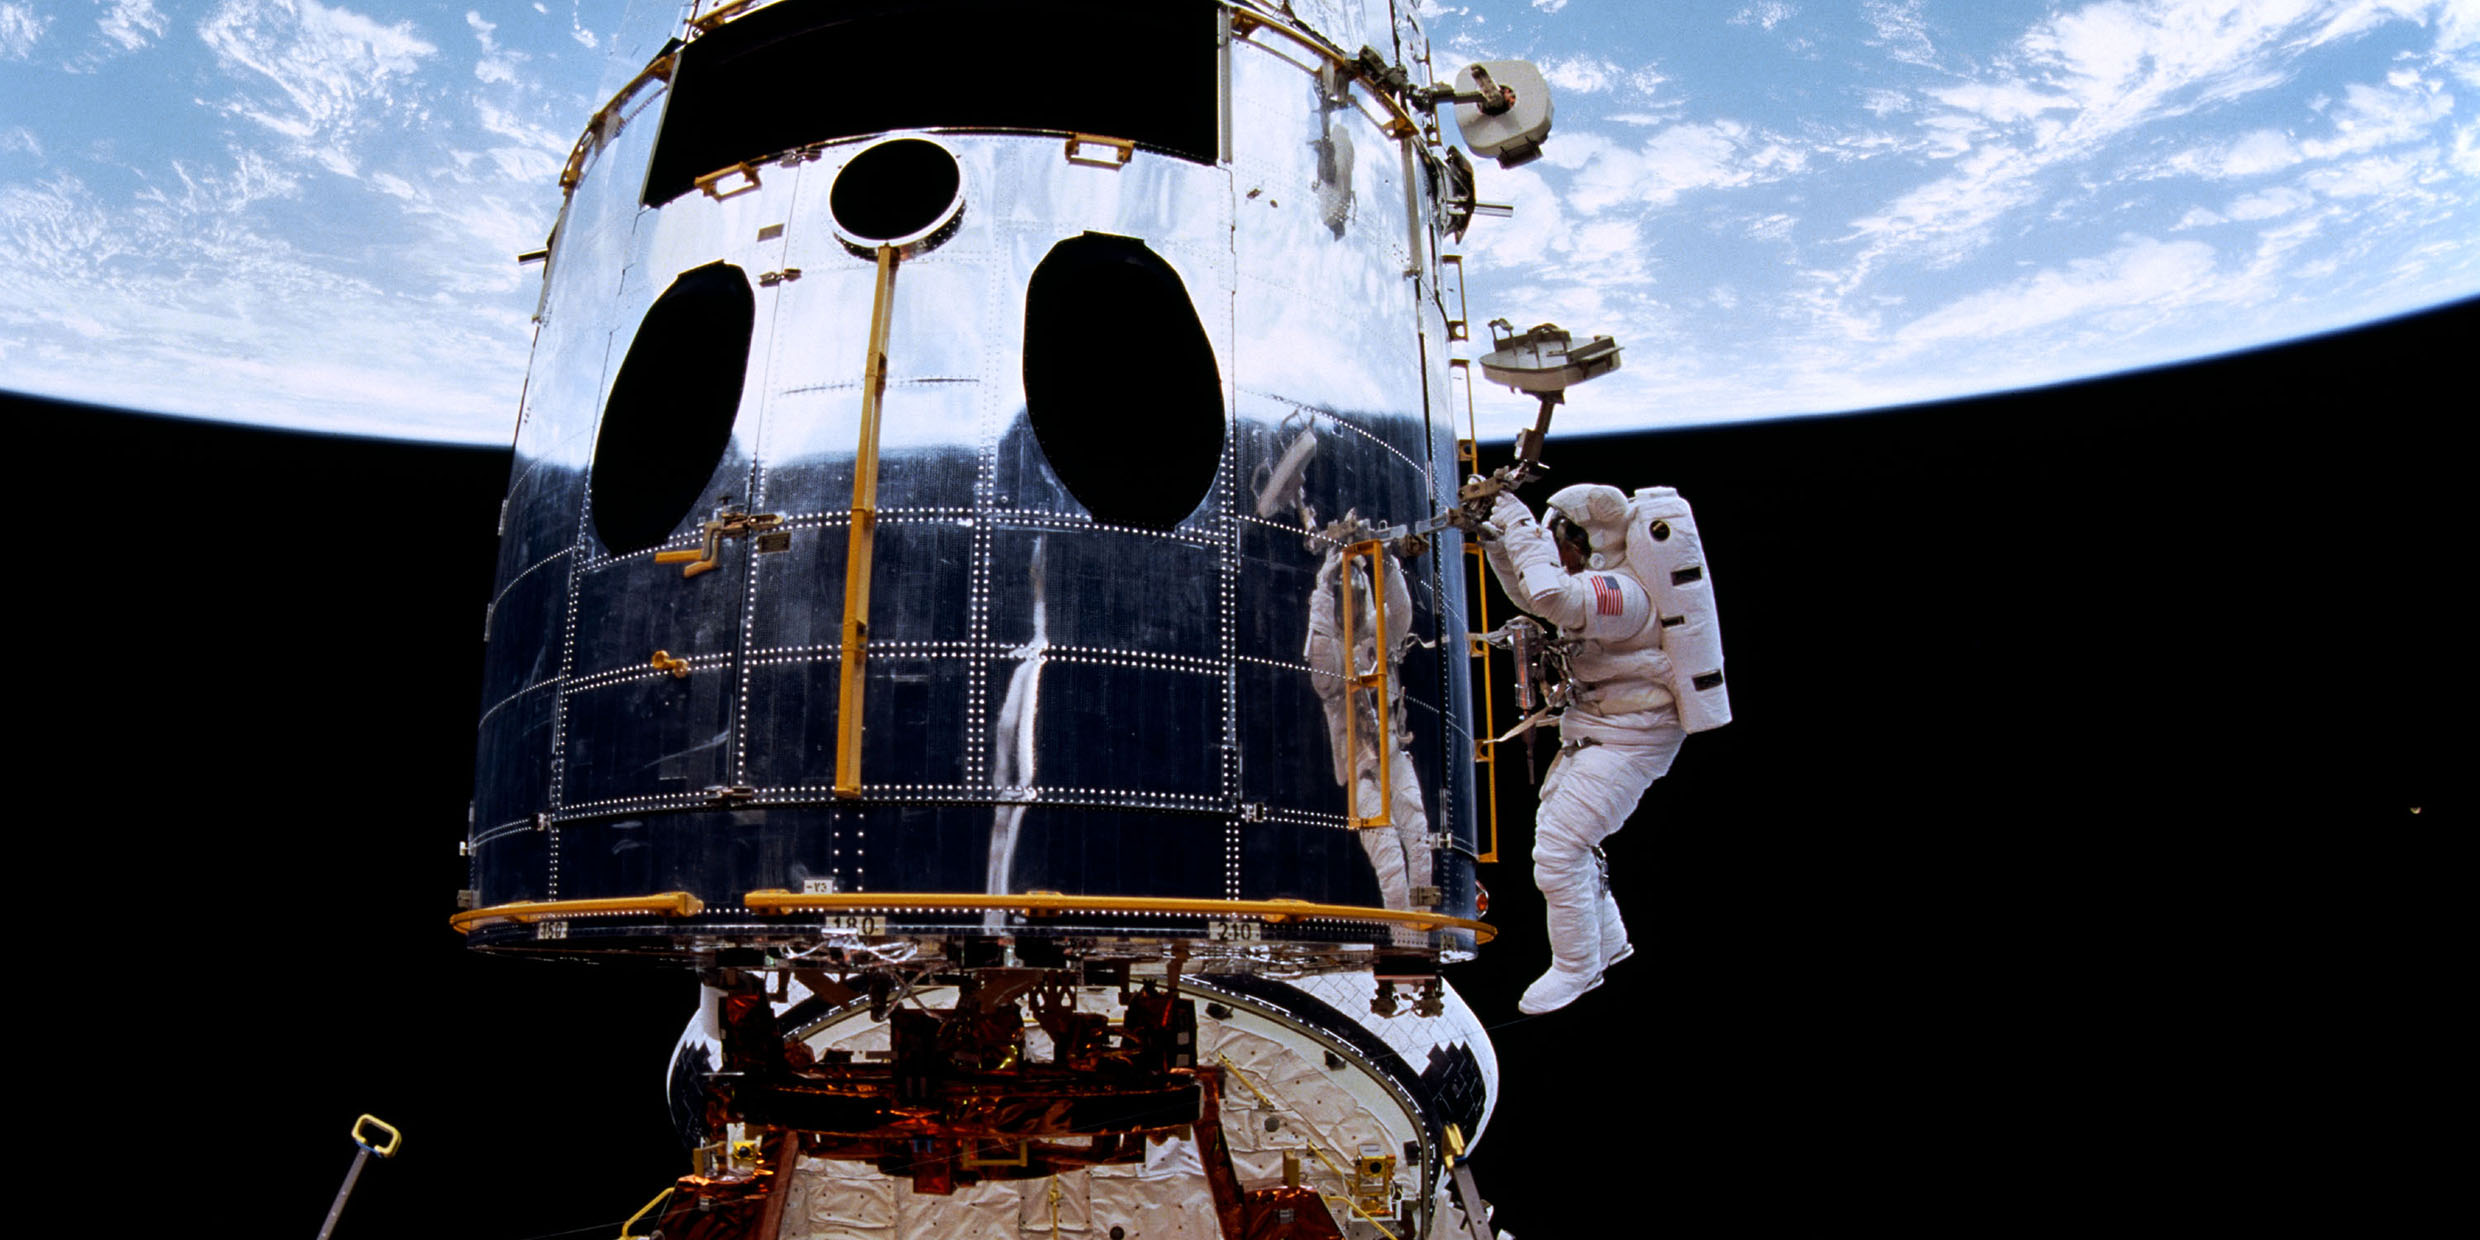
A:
(1574, 543)
(1596, 516)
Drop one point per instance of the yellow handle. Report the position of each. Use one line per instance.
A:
(394, 1138)
(707, 183)
(675, 557)
(1122, 150)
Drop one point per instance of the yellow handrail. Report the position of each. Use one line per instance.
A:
(669, 903)
(648, 1209)
(863, 539)
(1356, 681)
(1398, 123)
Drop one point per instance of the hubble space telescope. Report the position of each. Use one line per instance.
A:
(982, 583)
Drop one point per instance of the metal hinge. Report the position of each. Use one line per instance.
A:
(770, 279)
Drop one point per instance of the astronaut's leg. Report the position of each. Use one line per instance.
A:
(1590, 794)
(1564, 833)
(1643, 763)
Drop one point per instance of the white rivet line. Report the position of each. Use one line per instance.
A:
(544, 683)
(1297, 532)
(1289, 665)
(1339, 420)
(1306, 817)
(977, 794)
(1227, 590)
(519, 827)
(523, 573)
(568, 662)
(667, 800)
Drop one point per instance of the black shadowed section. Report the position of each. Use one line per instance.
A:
(1120, 382)
(671, 410)
(795, 74)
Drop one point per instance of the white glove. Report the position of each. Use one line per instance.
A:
(1508, 512)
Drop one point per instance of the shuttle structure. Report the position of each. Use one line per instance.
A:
(980, 584)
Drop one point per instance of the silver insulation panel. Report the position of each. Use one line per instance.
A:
(1052, 702)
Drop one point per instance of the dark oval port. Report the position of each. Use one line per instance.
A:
(1120, 382)
(670, 414)
(896, 192)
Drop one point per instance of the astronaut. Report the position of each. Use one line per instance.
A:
(1623, 578)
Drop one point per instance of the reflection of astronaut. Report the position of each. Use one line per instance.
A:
(1624, 581)
(1398, 851)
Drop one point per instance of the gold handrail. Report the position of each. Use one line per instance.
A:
(1372, 681)
(858, 547)
(1398, 122)
(669, 903)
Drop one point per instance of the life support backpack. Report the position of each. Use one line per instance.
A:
(1665, 555)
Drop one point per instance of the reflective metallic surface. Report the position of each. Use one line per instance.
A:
(1051, 703)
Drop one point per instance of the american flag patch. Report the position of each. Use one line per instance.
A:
(1606, 597)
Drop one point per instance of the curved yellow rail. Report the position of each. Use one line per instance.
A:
(670, 904)
(682, 904)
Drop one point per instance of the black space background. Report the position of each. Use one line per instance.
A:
(2090, 743)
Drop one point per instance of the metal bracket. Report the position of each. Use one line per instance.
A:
(1122, 150)
(723, 525)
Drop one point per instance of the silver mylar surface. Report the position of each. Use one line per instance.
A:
(1052, 704)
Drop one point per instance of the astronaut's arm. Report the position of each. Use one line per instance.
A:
(1526, 562)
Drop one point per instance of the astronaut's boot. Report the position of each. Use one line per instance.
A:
(1615, 945)
(1571, 890)
(1556, 989)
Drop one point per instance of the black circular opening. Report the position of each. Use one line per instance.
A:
(895, 190)
(1120, 382)
(670, 414)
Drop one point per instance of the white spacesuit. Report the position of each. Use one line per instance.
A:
(1645, 669)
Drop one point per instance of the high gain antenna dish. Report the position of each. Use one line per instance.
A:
(1545, 361)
